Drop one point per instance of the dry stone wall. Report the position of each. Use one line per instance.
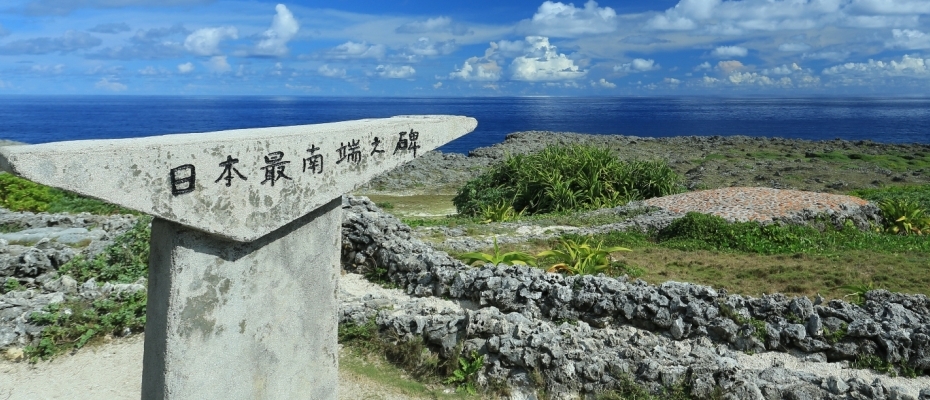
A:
(575, 330)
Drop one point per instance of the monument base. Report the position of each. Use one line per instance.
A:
(230, 320)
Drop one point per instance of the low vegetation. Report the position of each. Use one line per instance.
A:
(564, 178)
(76, 322)
(18, 194)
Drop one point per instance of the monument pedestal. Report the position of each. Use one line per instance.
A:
(231, 320)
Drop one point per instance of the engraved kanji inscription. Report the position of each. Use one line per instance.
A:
(408, 143)
(374, 146)
(275, 168)
(183, 179)
(350, 152)
(229, 170)
(314, 163)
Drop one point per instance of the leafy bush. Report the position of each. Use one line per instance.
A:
(558, 178)
(18, 194)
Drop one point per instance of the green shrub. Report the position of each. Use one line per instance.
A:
(565, 178)
(18, 194)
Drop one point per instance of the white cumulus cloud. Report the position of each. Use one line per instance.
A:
(730, 66)
(106, 84)
(543, 62)
(908, 66)
(637, 65)
(477, 69)
(353, 50)
(785, 69)
(425, 47)
(909, 39)
(185, 68)
(556, 19)
(730, 52)
(283, 28)
(395, 72)
(435, 25)
(793, 47)
(218, 64)
(150, 70)
(206, 41)
(328, 71)
(604, 84)
(719, 17)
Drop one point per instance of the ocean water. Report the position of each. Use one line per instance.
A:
(41, 119)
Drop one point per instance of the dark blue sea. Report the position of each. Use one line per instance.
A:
(40, 119)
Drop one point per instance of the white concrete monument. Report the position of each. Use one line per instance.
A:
(245, 245)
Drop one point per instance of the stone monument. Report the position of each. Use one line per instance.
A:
(245, 242)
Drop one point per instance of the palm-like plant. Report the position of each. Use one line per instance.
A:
(500, 212)
(509, 258)
(904, 217)
(582, 258)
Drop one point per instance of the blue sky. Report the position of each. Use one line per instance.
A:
(475, 48)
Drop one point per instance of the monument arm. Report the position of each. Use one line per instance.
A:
(238, 184)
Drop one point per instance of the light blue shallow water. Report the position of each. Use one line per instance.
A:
(40, 119)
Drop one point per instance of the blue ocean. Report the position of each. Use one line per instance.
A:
(41, 119)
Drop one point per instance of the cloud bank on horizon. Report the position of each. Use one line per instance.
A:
(483, 48)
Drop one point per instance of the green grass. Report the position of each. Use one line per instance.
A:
(750, 259)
